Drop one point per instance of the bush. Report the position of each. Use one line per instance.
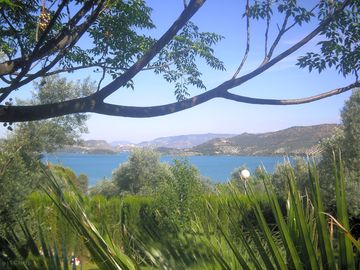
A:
(142, 174)
(346, 142)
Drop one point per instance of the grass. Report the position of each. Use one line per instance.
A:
(299, 238)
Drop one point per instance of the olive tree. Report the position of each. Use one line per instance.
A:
(143, 173)
(346, 142)
(22, 150)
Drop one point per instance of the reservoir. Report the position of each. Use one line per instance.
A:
(217, 168)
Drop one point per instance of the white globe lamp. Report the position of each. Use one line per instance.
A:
(244, 174)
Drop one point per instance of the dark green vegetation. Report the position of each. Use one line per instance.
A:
(227, 230)
(347, 140)
(159, 216)
(21, 151)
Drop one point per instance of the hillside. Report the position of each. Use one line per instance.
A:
(91, 147)
(291, 141)
(182, 141)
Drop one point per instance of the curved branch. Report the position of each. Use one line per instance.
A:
(89, 104)
(5, 80)
(247, 40)
(261, 101)
(5, 92)
(46, 111)
(268, 55)
(267, 64)
(185, 16)
(94, 103)
(101, 65)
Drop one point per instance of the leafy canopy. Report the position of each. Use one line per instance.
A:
(113, 38)
(143, 173)
(20, 173)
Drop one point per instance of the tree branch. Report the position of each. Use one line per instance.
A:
(284, 28)
(265, 66)
(261, 101)
(89, 104)
(50, 26)
(5, 80)
(101, 65)
(267, 26)
(102, 78)
(276, 41)
(59, 42)
(80, 31)
(247, 40)
(94, 103)
(185, 16)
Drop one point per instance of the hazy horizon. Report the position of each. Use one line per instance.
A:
(205, 133)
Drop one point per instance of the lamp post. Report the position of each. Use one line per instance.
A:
(244, 175)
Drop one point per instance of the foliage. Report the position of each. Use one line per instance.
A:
(350, 116)
(82, 183)
(102, 249)
(49, 135)
(299, 239)
(183, 51)
(79, 182)
(237, 181)
(302, 239)
(279, 177)
(120, 45)
(18, 177)
(19, 172)
(115, 38)
(179, 197)
(104, 187)
(34, 254)
(341, 47)
(143, 173)
(346, 141)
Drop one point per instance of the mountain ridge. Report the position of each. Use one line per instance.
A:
(183, 141)
(297, 140)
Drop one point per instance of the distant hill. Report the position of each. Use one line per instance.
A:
(291, 141)
(97, 144)
(91, 147)
(121, 143)
(182, 141)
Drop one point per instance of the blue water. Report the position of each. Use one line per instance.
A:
(217, 168)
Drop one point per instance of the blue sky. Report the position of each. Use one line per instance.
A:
(284, 80)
